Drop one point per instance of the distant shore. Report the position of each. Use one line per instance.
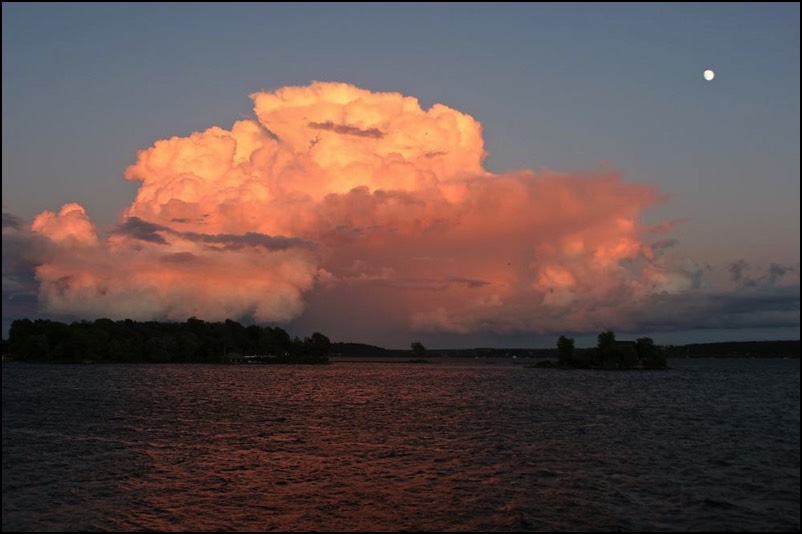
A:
(726, 349)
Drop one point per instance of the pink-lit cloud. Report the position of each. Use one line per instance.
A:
(339, 201)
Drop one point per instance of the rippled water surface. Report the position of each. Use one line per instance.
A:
(454, 446)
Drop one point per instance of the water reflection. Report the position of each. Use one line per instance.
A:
(378, 447)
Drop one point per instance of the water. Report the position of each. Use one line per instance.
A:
(453, 446)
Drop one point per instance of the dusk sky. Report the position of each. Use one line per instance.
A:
(463, 175)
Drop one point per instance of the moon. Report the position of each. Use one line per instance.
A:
(709, 74)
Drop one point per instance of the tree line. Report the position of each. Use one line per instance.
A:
(192, 341)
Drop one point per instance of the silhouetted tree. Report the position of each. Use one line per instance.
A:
(565, 350)
(651, 356)
(606, 340)
(318, 348)
(18, 334)
(157, 351)
(417, 348)
(608, 356)
(188, 346)
(628, 358)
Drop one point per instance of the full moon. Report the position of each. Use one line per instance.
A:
(709, 74)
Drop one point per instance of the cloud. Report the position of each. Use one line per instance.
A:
(19, 254)
(248, 239)
(776, 272)
(70, 227)
(765, 307)
(12, 222)
(745, 275)
(664, 244)
(23, 251)
(348, 130)
(143, 230)
(737, 270)
(359, 209)
(178, 257)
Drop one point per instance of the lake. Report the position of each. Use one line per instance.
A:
(710, 445)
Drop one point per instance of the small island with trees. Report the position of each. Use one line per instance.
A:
(610, 354)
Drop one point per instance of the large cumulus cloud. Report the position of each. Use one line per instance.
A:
(346, 203)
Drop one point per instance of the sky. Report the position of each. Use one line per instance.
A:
(490, 174)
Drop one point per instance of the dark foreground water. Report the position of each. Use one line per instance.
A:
(711, 445)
